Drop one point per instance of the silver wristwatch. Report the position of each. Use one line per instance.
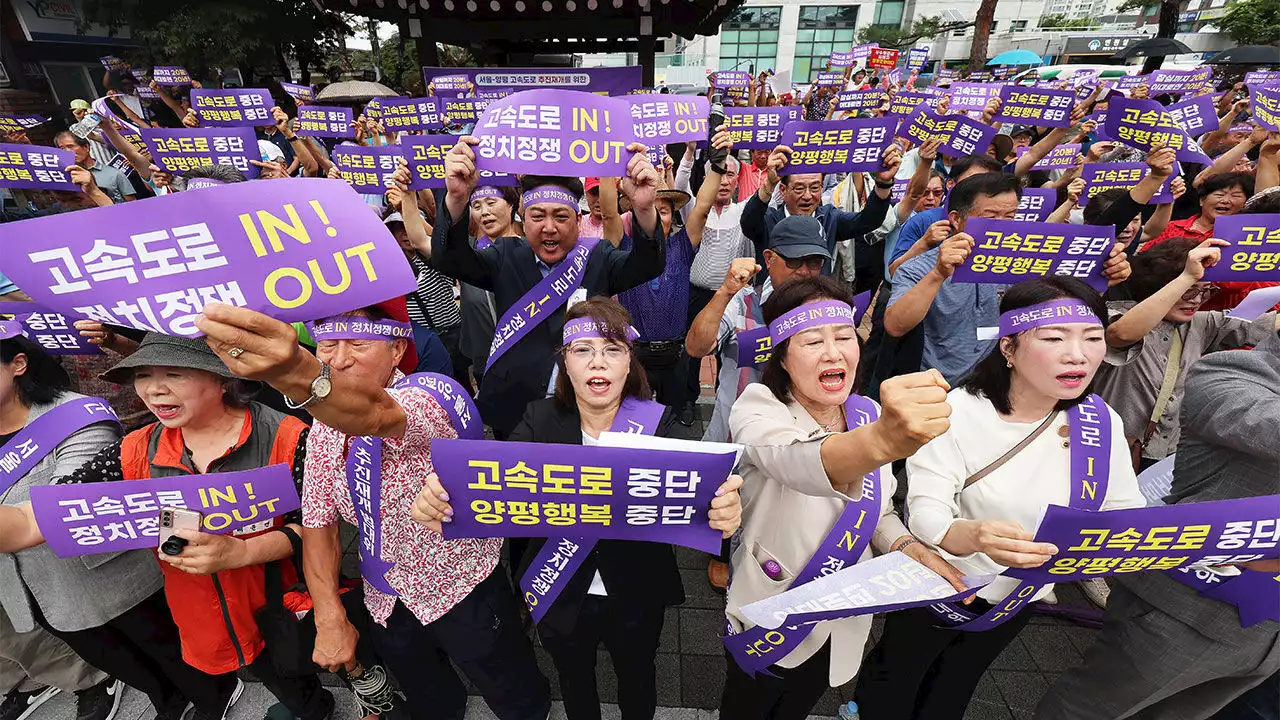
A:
(320, 389)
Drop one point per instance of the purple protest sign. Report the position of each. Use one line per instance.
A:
(858, 100)
(960, 135)
(1264, 104)
(665, 119)
(555, 132)
(836, 145)
(505, 489)
(177, 151)
(1143, 123)
(608, 81)
(492, 94)
(829, 79)
(294, 250)
(400, 114)
(1254, 253)
(326, 121)
(860, 52)
(170, 75)
(113, 63)
(1099, 120)
(300, 93)
(732, 78)
(368, 170)
(230, 108)
(56, 333)
(449, 84)
(1010, 251)
(1036, 205)
(102, 517)
(1045, 107)
(1262, 77)
(1060, 157)
(1164, 82)
(463, 109)
(899, 189)
(1196, 115)
(1160, 537)
(1129, 82)
(1081, 78)
(948, 74)
(1100, 177)
(37, 167)
(916, 58)
(904, 103)
(425, 156)
(973, 96)
(18, 123)
(752, 128)
(840, 59)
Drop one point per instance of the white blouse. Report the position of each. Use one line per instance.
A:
(1019, 491)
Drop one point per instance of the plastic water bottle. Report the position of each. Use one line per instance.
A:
(85, 127)
(849, 711)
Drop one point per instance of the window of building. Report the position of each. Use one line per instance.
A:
(889, 14)
(749, 39)
(994, 24)
(960, 33)
(1018, 26)
(822, 30)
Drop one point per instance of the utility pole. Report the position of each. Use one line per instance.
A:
(373, 47)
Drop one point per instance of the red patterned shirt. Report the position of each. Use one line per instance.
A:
(431, 574)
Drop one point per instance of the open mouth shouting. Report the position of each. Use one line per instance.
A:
(166, 412)
(832, 380)
(1073, 379)
(599, 385)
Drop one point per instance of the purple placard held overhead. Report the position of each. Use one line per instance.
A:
(556, 132)
(295, 250)
(732, 78)
(505, 489)
(836, 145)
(606, 81)
(1180, 81)
(36, 167)
(1129, 82)
(1099, 120)
(425, 155)
(841, 59)
(858, 100)
(753, 128)
(1262, 78)
(1045, 107)
(449, 84)
(1196, 115)
(15, 123)
(1264, 104)
(1036, 205)
(1010, 251)
(664, 119)
(230, 108)
(463, 109)
(300, 93)
(960, 135)
(1143, 123)
(948, 74)
(904, 103)
(829, 79)
(973, 96)
(113, 63)
(177, 151)
(1254, 253)
(1060, 157)
(1100, 177)
(102, 517)
(56, 333)
(326, 121)
(916, 58)
(860, 52)
(368, 170)
(401, 114)
(170, 75)
(899, 189)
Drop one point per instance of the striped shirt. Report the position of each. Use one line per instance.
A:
(434, 304)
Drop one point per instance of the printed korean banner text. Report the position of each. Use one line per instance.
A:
(177, 151)
(555, 132)
(36, 167)
(1254, 252)
(602, 81)
(836, 145)
(326, 121)
(960, 135)
(753, 128)
(1009, 251)
(367, 169)
(1100, 177)
(401, 114)
(231, 108)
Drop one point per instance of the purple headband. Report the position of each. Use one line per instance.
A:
(1055, 312)
(10, 329)
(486, 191)
(810, 315)
(551, 194)
(354, 327)
(586, 328)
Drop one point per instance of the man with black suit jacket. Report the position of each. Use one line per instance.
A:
(512, 266)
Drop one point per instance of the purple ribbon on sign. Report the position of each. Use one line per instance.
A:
(560, 558)
(586, 328)
(354, 327)
(756, 648)
(548, 194)
(1054, 312)
(542, 300)
(39, 437)
(1090, 423)
(808, 316)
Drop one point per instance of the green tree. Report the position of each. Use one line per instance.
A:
(894, 37)
(1168, 23)
(1252, 22)
(1061, 21)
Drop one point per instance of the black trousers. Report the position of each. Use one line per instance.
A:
(666, 370)
(788, 696)
(698, 299)
(304, 696)
(482, 636)
(632, 640)
(919, 671)
(141, 649)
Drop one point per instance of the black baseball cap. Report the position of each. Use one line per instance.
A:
(799, 236)
(1021, 130)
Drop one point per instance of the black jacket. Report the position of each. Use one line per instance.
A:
(838, 225)
(509, 268)
(635, 574)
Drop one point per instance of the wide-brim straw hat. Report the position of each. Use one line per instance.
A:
(168, 351)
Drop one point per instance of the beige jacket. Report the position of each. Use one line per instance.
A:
(788, 507)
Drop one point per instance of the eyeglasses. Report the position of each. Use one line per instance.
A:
(812, 190)
(1200, 293)
(935, 193)
(584, 353)
(813, 262)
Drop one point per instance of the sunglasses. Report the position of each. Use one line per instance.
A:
(813, 262)
(1201, 293)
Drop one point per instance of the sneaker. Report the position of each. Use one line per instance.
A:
(175, 710)
(1050, 599)
(220, 713)
(1096, 589)
(99, 702)
(18, 705)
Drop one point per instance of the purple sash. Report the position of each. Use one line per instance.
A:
(33, 442)
(560, 558)
(540, 302)
(1256, 595)
(1090, 423)
(364, 470)
(756, 648)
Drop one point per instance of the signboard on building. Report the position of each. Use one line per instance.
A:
(1094, 45)
(59, 21)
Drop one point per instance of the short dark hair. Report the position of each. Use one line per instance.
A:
(44, 380)
(1226, 181)
(1159, 266)
(969, 162)
(82, 142)
(1100, 203)
(613, 320)
(221, 173)
(785, 298)
(966, 192)
(990, 378)
(572, 184)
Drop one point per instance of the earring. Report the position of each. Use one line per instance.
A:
(1009, 364)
